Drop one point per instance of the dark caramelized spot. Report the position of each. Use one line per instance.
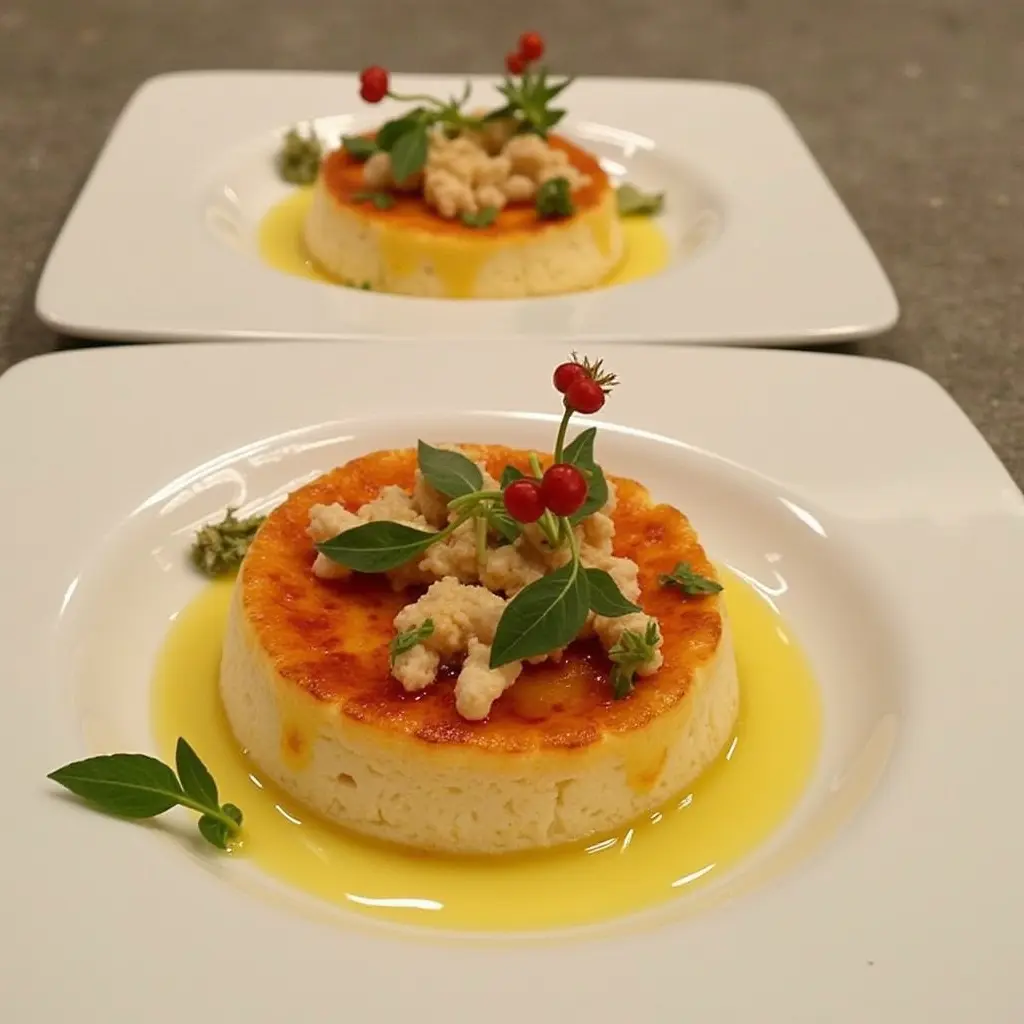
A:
(343, 178)
(330, 637)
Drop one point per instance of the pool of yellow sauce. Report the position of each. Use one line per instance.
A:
(281, 245)
(732, 808)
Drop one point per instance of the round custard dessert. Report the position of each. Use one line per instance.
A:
(409, 249)
(306, 684)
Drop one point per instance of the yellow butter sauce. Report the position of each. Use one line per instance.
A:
(281, 246)
(732, 808)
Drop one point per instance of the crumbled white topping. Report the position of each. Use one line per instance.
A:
(464, 615)
(610, 631)
(459, 613)
(479, 685)
(416, 668)
(479, 170)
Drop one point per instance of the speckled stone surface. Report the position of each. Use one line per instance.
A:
(915, 109)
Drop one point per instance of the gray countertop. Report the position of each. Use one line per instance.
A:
(914, 108)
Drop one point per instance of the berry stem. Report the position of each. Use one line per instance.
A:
(562, 428)
(415, 98)
(473, 498)
(546, 522)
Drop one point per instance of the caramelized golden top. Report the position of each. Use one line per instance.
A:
(343, 177)
(330, 638)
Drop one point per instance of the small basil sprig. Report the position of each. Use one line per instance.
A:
(481, 219)
(298, 159)
(406, 641)
(633, 650)
(527, 101)
(554, 199)
(689, 581)
(378, 547)
(139, 786)
(380, 200)
(634, 203)
(219, 548)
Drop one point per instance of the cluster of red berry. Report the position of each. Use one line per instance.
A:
(531, 48)
(562, 489)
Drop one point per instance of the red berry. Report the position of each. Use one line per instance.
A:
(373, 84)
(566, 374)
(563, 489)
(584, 395)
(514, 63)
(523, 500)
(531, 46)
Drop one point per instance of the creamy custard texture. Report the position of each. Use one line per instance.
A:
(281, 246)
(733, 807)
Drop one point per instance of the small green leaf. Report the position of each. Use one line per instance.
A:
(128, 785)
(376, 547)
(580, 451)
(409, 153)
(391, 131)
(449, 472)
(194, 777)
(214, 831)
(633, 651)
(545, 615)
(234, 813)
(381, 200)
(502, 523)
(689, 581)
(597, 494)
(406, 641)
(508, 474)
(359, 147)
(634, 203)
(481, 219)
(605, 597)
(554, 199)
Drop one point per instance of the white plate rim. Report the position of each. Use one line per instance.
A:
(948, 523)
(790, 267)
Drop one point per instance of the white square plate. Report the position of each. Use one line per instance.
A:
(854, 493)
(162, 243)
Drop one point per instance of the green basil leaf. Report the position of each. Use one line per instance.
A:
(234, 813)
(195, 778)
(689, 581)
(214, 831)
(391, 131)
(409, 153)
(545, 615)
(634, 203)
(129, 785)
(451, 473)
(508, 474)
(359, 147)
(502, 523)
(580, 451)
(376, 547)
(605, 597)
(597, 494)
